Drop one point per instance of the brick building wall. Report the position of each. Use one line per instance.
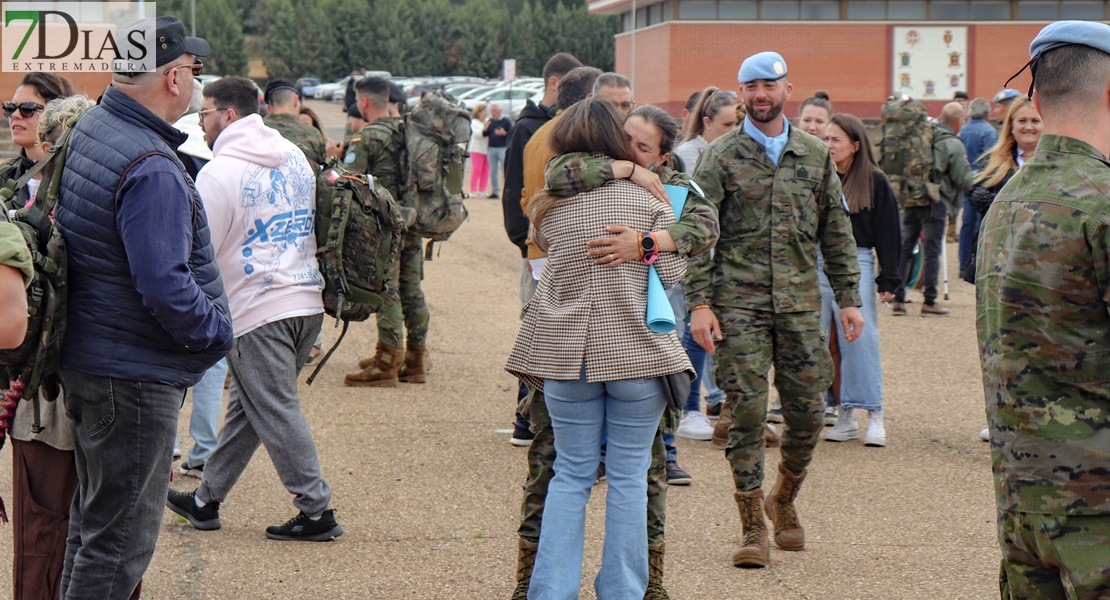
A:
(852, 61)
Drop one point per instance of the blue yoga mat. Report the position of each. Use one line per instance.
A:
(660, 315)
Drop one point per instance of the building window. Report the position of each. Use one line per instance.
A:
(866, 10)
(626, 21)
(697, 9)
(1082, 9)
(821, 10)
(668, 10)
(950, 10)
(1038, 10)
(641, 18)
(990, 10)
(905, 10)
(776, 10)
(738, 10)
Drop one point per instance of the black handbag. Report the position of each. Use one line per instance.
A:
(676, 389)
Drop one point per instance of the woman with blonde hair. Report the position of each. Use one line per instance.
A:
(713, 116)
(479, 150)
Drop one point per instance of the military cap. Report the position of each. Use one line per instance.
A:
(352, 110)
(1006, 94)
(765, 65)
(395, 93)
(169, 43)
(278, 84)
(961, 95)
(1066, 33)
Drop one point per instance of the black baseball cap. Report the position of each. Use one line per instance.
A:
(279, 84)
(170, 42)
(352, 110)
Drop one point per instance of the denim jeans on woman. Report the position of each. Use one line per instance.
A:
(629, 410)
(861, 370)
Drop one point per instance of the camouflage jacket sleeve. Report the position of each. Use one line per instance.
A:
(710, 176)
(316, 148)
(838, 243)
(577, 173)
(955, 172)
(698, 229)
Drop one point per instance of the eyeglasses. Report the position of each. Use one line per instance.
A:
(626, 105)
(26, 109)
(202, 113)
(197, 67)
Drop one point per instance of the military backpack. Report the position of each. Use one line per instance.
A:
(32, 369)
(906, 151)
(437, 133)
(358, 242)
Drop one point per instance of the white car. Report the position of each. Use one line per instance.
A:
(324, 90)
(511, 100)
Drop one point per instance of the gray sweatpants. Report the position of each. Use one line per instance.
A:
(264, 408)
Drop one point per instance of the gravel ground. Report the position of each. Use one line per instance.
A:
(427, 487)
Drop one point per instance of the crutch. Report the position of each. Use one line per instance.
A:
(944, 264)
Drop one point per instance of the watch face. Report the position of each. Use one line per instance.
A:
(647, 243)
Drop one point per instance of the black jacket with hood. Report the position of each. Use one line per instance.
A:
(531, 118)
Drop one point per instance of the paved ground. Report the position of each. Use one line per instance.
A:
(427, 486)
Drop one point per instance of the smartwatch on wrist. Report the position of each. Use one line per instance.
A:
(649, 248)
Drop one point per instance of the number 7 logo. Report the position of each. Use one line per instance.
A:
(21, 15)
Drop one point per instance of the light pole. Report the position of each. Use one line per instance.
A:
(633, 48)
(193, 8)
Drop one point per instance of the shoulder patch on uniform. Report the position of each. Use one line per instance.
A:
(350, 157)
(356, 139)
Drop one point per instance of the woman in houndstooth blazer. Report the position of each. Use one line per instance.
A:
(585, 342)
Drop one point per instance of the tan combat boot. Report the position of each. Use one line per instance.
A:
(720, 430)
(655, 589)
(525, 560)
(756, 551)
(416, 365)
(380, 371)
(789, 534)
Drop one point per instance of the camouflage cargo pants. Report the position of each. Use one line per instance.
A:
(403, 306)
(541, 459)
(798, 348)
(1054, 556)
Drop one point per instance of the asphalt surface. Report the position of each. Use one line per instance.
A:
(427, 487)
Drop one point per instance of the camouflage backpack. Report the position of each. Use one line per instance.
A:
(906, 151)
(33, 366)
(358, 241)
(437, 133)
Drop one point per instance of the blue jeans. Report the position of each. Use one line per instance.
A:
(630, 411)
(204, 422)
(969, 231)
(496, 165)
(123, 433)
(861, 371)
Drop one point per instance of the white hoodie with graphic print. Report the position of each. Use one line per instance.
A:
(260, 196)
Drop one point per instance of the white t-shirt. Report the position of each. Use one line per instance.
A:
(478, 142)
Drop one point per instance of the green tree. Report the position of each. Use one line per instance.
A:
(280, 46)
(216, 23)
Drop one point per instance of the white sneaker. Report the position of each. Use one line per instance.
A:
(876, 433)
(831, 416)
(695, 426)
(985, 435)
(774, 414)
(845, 429)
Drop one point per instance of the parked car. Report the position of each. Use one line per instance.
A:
(307, 86)
(324, 91)
(511, 100)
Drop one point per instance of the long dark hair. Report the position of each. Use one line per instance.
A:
(591, 125)
(48, 85)
(859, 180)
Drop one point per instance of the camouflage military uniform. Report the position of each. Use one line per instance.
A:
(306, 137)
(377, 150)
(695, 233)
(1043, 271)
(761, 283)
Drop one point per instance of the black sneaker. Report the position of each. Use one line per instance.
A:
(677, 476)
(600, 473)
(303, 529)
(205, 519)
(522, 436)
(190, 471)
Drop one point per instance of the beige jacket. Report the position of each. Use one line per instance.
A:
(582, 311)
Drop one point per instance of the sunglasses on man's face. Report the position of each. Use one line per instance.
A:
(197, 68)
(26, 109)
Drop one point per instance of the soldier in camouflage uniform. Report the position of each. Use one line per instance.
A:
(378, 150)
(695, 233)
(1043, 272)
(779, 199)
(284, 101)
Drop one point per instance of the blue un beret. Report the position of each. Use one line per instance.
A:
(1006, 94)
(765, 65)
(1064, 33)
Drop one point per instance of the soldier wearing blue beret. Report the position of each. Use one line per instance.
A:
(1043, 320)
(756, 301)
